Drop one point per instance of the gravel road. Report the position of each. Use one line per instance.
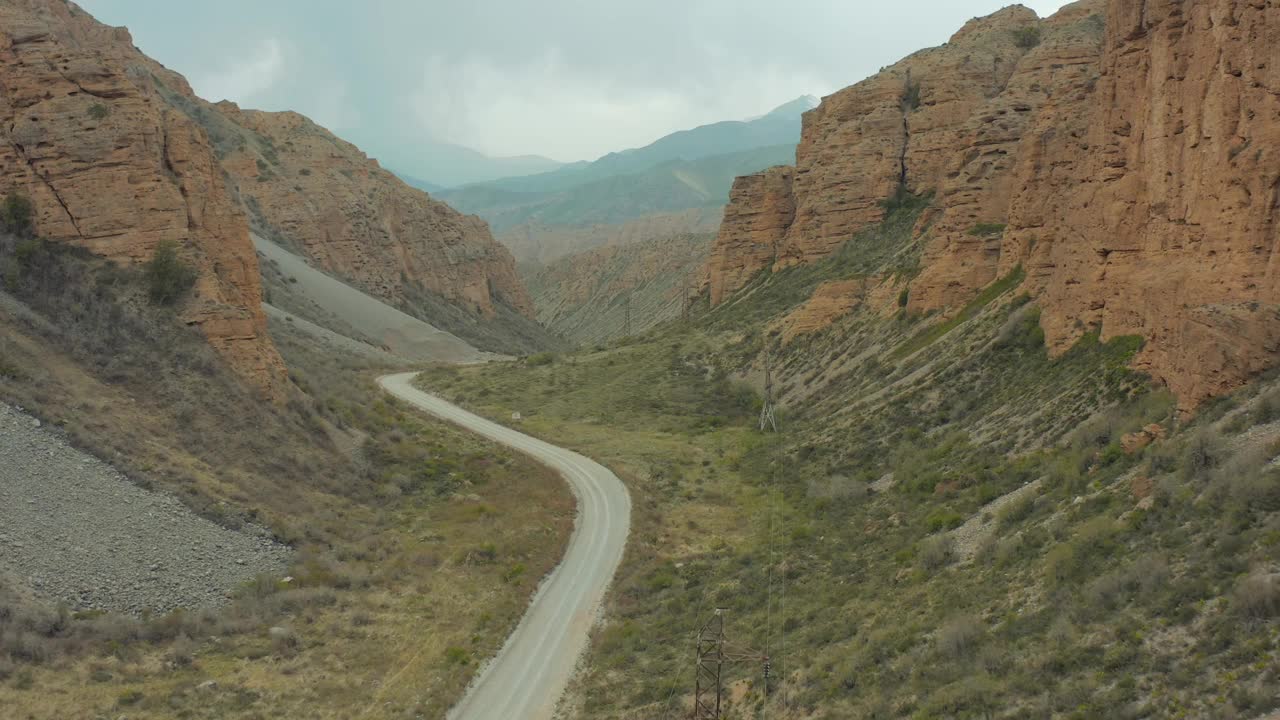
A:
(76, 531)
(531, 671)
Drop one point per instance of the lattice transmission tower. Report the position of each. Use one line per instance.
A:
(768, 414)
(713, 654)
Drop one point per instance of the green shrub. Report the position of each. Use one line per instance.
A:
(27, 250)
(936, 553)
(943, 520)
(911, 95)
(1026, 37)
(457, 656)
(9, 370)
(17, 214)
(168, 276)
(1257, 597)
(987, 229)
(1203, 453)
(538, 359)
(1267, 409)
(99, 111)
(903, 297)
(960, 636)
(1016, 511)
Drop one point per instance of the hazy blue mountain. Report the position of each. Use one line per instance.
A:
(445, 165)
(422, 185)
(781, 126)
(668, 187)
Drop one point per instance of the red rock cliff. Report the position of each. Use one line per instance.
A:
(914, 126)
(761, 208)
(350, 217)
(109, 166)
(1153, 208)
(1127, 159)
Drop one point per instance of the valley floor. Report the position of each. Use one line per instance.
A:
(1099, 573)
(416, 546)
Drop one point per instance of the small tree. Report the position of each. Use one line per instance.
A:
(911, 95)
(17, 214)
(1027, 37)
(168, 277)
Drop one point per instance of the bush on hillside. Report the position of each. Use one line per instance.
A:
(1027, 37)
(911, 96)
(17, 214)
(168, 276)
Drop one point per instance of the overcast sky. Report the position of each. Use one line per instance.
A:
(569, 79)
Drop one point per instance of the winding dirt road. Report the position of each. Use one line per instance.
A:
(525, 680)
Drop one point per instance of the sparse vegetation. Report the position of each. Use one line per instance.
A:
(168, 276)
(98, 111)
(1027, 37)
(987, 229)
(1062, 605)
(17, 215)
(380, 504)
(911, 95)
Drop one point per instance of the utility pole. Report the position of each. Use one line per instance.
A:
(685, 303)
(626, 317)
(768, 417)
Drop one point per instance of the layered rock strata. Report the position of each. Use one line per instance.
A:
(110, 167)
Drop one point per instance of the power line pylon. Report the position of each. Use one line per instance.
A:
(685, 303)
(713, 655)
(708, 686)
(768, 416)
(626, 317)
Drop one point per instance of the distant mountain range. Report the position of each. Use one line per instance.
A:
(430, 165)
(684, 170)
(781, 126)
(668, 187)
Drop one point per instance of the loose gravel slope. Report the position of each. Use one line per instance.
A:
(76, 531)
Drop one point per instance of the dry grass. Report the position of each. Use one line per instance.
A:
(418, 545)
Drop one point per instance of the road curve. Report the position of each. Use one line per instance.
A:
(525, 680)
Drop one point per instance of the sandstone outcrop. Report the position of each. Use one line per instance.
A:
(761, 208)
(916, 126)
(348, 216)
(837, 298)
(542, 244)
(985, 173)
(584, 297)
(110, 167)
(1124, 152)
(1158, 213)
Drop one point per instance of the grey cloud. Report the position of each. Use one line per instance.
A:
(567, 78)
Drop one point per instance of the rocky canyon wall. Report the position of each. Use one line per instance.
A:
(348, 216)
(1159, 214)
(110, 167)
(1124, 152)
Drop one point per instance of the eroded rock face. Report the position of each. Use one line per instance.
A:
(987, 171)
(1128, 161)
(110, 167)
(761, 208)
(348, 216)
(540, 244)
(1158, 214)
(917, 126)
(835, 299)
(586, 297)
